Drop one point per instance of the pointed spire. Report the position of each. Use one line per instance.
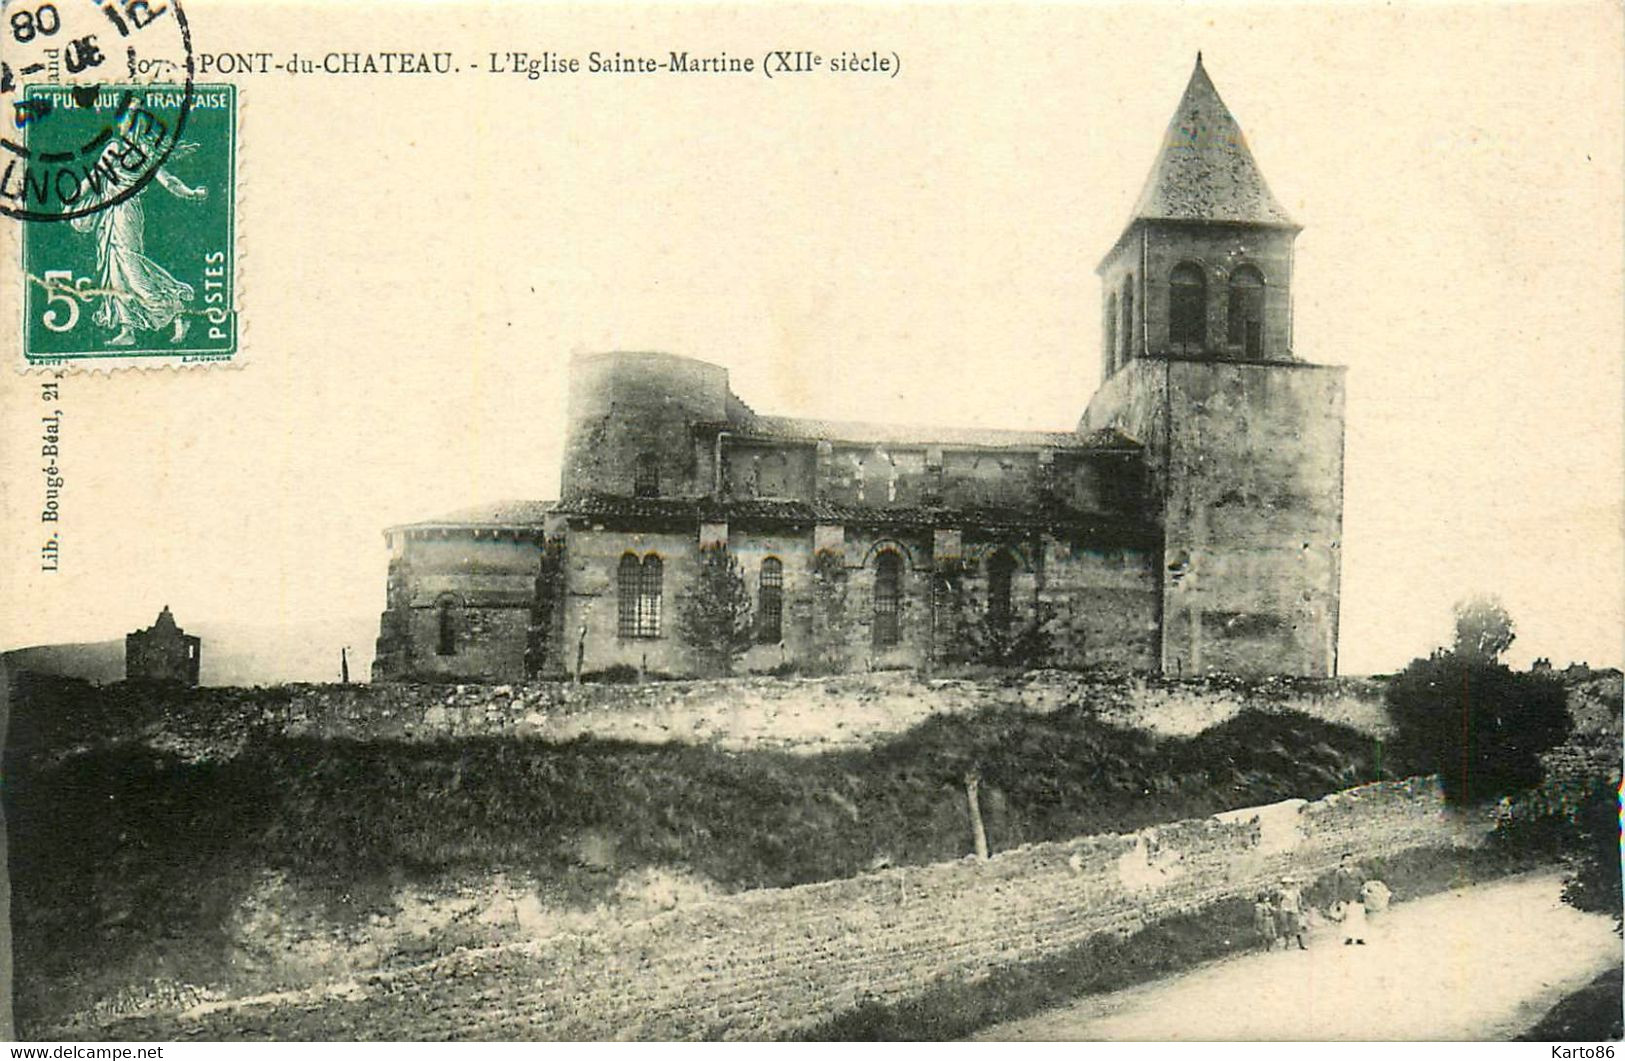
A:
(1204, 171)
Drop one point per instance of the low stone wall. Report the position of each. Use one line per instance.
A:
(765, 964)
(800, 715)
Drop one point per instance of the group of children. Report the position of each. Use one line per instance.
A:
(1279, 914)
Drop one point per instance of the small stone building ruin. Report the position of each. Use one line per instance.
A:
(162, 652)
(1190, 522)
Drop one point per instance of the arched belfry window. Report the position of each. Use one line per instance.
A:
(1111, 333)
(1246, 328)
(770, 601)
(888, 599)
(1001, 569)
(1187, 306)
(638, 594)
(1127, 350)
(646, 476)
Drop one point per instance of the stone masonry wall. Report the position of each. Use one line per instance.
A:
(806, 716)
(768, 963)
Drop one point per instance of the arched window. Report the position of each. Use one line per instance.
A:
(446, 617)
(638, 594)
(1001, 568)
(649, 593)
(628, 582)
(1128, 321)
(646, 476)
(888, 594)
(1187, 306)
(1246, 328)
(1111, 334)
(770, 602)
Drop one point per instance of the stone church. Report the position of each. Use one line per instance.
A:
(1190, 523)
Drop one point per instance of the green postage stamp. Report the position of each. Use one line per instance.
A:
(139, 260)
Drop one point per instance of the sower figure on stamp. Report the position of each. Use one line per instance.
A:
(136, 292)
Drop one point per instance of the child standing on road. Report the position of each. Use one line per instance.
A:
(1264, 921)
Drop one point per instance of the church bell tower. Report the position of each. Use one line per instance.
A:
(1243, 438)
(1204, 268)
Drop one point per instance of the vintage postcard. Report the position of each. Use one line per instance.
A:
(970, 521)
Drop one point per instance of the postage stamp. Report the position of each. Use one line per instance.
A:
(139, 260)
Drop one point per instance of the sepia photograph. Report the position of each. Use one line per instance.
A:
(623, 522)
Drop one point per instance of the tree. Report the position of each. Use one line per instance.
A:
(1484, 628)
(543, 648)
(1480, 726)
(714, 614)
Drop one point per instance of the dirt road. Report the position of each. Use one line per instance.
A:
(1480, 964)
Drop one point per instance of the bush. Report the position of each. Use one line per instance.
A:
(617, 674)
(626, 674)
(714, 615)
(1573, 814)
(971, 633)
(1593, 882)
(1477, 724)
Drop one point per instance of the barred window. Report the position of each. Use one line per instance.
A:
(888, 591)
(1247, 310)
(770, 602)
(1187, 306)
(1001, 567)
(646, 476)
(638, 592)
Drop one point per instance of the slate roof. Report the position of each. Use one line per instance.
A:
(1204, 171)
(529, 515)
(776, 511)
(803, 429)
(517, 514)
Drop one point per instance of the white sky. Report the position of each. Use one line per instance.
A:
(420, 258)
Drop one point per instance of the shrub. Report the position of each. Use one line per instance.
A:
(616, 674)
(1480, 726)
(714, 615)
(1574, 813)
(969, 633)
(1593, 882)
(1024, 643)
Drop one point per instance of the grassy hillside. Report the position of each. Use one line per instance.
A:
(130, 863)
